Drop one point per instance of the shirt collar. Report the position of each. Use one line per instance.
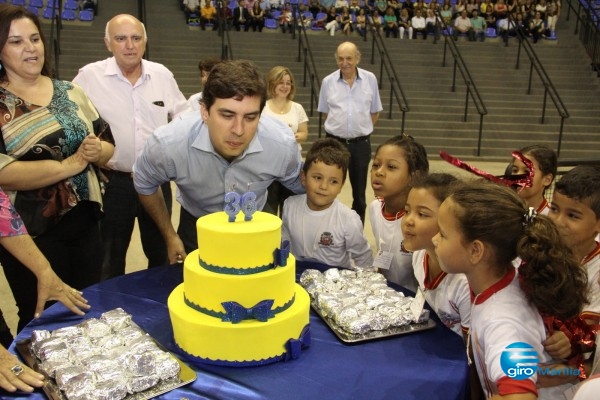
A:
(113, 69)
(496, 287)
(357, 75)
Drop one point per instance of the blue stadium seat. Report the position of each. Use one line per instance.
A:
(34, 10)
(71, 5)
(36, 3)
(491, 32)
(18, 3)
(270, 23)
(86, 15)
(68, 15)
(49, 12)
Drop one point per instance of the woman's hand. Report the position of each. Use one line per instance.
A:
(91, 148)
(14, 375)
(51, 287)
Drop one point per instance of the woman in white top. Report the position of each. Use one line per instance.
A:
(281, 89)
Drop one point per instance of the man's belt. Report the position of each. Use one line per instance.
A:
(348, 141)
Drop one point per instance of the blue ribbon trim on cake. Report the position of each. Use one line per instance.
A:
(247, 312)
(235, 312)
(293, 348)
(280, 257)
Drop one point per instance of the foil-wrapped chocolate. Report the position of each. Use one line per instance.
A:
(167, 367)
(359, 300)
(141, 364)
(141, 383)
(142, 344)
(110, 342)
(130, 333)
(117, 318)
(110, 390)
(38, 335)
(38, 346)
(49, 367)
(95, 328)
(64, 375)
(68, 331)
(55, 351)
(79, 385)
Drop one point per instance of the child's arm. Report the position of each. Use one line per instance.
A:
(357, 245)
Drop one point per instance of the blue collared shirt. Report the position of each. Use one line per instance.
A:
(348, 108)
(182, 152)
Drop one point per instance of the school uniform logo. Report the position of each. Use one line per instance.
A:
(326, 239)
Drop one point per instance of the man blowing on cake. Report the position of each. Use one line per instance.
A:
(224, 148)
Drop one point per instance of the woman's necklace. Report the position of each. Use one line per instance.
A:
(278, 108)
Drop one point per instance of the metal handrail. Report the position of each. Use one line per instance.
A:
(223, 32)
(589, 35)
(549, 89)
(386, 64)
(54, 40)
(305, 53)
(471, 87)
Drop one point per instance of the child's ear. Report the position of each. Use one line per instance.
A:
(303, 178)
(477, 251)
(547, 180)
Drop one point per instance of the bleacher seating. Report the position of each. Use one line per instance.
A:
(36, 3)
(71, 5)
(34, 10)
(68, 15)
(18, 3)
(270, 23)
(86, 15)
(49, 12)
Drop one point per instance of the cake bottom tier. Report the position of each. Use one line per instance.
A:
(249, 342)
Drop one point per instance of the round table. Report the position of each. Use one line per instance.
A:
(429, 364)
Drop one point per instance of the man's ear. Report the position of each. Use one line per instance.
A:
(203, 112)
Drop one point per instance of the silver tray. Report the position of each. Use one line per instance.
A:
(186, 375)
(352, 338)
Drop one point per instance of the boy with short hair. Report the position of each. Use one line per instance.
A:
(323, 232)
(575, 209)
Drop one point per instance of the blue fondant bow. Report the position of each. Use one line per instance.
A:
(281, 255)
(235, 312)
(294, 347)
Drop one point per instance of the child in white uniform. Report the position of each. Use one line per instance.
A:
(397, 162)
(545, 165)
(323, 232)
(448, 295)
(482, 228)
(575, 210)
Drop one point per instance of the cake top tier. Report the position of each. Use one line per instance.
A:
(260, 222)
(239, 244)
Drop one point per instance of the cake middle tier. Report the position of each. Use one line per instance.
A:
(206, 291)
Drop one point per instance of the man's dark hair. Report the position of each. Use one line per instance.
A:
(234, 79)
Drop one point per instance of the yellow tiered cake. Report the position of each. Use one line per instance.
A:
(239, 304)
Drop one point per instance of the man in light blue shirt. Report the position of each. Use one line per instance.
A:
(222, 149)
(350, 102)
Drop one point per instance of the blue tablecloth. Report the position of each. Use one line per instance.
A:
(424, 365)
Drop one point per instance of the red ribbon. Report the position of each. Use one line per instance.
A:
(580, 334)
(518, 181)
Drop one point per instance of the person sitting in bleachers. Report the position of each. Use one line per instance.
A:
(191, 7)
(241, 16)
(462, 25)
(479, 25)
(208, 15)
(418, 24)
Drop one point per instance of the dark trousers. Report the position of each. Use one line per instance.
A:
(74, 250)
(277, 193)
(358, 172)
(121, 208)
(187, 230)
